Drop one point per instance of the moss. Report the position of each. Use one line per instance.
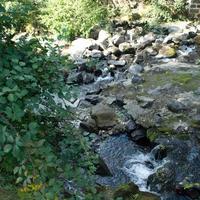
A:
(191, 185)
(183, 136)
(152, 134)
(125, 191)
(168, 52)
(184, 80)
(145, 196)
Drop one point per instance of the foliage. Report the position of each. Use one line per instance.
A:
(39, 148)
(167, 10)
(69, 18)
(25, 14)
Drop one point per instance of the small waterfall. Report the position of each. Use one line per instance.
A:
(140, 166)
(128, 162)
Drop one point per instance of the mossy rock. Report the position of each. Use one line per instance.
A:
(167, 52)
(135, 16)
(145, 196)
(197, 39)
(126, 191)
(152, 134)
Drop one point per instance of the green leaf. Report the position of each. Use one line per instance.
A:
(19, 180)
(11, 97)
(7, 148)
(15, 60)
(16, 169)
(2, 135)
(33, 126)
(22, 64)
(16, 152)
(35, 66)
(10, 139)
(6, 89)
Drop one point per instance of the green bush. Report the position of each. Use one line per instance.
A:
(25, 14)
(39, 148)
(168, 10)
(69, 19)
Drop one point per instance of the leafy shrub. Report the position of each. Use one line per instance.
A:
(167, 10)
(25, 14)
(39, 148)
(69, 19)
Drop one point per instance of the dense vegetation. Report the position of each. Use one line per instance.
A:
(168, 10)
(73, 18)
(39, 149)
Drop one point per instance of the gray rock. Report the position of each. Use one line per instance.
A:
(112, 50)
(75, 77)
(104, 116)
(119, 63)
(135, 69)
(136, 79)
(134, 110)
(93, 53)
(127, 48)
(145, 102)
(79, 46)
(88, 78)
(93, 99)
(89, 125)
(133, 33)
(128, 58)
(103, 38)
(118, 39)
(139, 136)
(130, 126)
(176, 106)
(146, 40)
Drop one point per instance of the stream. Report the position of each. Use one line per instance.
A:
(139, 101)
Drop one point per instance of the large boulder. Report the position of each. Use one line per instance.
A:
(118, 39)
(104, 116)
(103, 39)
(79, 46)
(126, 48)
(146, 40)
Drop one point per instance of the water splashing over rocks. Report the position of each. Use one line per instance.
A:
(127, 162)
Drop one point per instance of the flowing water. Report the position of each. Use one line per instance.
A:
(127, 162)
